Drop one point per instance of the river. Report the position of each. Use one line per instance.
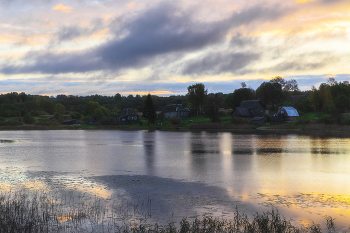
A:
(188, 173)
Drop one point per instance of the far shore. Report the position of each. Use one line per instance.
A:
(307, 129)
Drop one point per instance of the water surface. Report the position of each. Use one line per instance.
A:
(189, 173)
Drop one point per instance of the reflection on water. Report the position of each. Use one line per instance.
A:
(294, 173)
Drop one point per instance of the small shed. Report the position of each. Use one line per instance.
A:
(289, 114)
(258, 120)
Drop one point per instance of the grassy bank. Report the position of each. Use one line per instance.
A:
(33, 211)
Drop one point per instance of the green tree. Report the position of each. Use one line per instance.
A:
(47, 105)
(196, 96)
(94, 109)
(235, 99)
(212, 106)
(28, 119)
(270, 93)
(60, 108)
(149, 111)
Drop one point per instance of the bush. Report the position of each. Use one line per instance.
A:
(239, 120)
(28, 119)
(2, 119)
(327, 119)
(174, 120)
(75, 115)
(108, 121)
(11, 122)
(345, 121)
(302, 121)
(43, 121)
(42, 113)
(267, 118)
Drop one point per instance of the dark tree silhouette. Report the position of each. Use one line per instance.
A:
(149, 111)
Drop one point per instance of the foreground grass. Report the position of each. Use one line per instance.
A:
(34, 211)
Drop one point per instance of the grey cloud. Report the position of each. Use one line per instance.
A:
(217, 63)
(155, 33)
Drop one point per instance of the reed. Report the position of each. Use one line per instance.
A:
(37, 211)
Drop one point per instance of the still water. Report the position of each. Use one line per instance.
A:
(189, 173)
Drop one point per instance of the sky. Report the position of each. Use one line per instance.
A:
(104, 47)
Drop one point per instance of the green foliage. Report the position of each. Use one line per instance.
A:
(94, 109)
(11, 122)
(47, 105)
(212, 106)
(326, 119)
(75, 115)
(239, 120)
(28, 119)
(174, 120)
(43, 121)
(60, 108)
(235, 99)
(2, 119)
(345, 121)
(197, 95)
(270, 93)
(41, 113)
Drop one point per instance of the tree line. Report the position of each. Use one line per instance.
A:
(331, 97)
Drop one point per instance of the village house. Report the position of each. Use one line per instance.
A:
(127, 116)
(175, 110)
(250, 109)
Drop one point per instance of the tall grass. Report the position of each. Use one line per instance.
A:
(34, 211)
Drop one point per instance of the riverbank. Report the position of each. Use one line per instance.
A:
(307, 129)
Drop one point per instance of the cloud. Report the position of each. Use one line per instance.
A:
(60, 7)
(218, 63)
(154, 33)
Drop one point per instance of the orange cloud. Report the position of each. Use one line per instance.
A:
(60, 7)
(131, 5)
(302, 1)
(50, 25)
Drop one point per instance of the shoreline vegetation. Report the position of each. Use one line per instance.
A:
(35, 211)
(202, 123)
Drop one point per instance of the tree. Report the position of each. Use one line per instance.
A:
(211, 107)
(94, 109)
(196, 96)
(60, 108)
(235, 99)
(149, 111)
(270, 93)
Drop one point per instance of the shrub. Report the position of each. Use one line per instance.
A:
(174, 120)
(42, 113)
(75, 115)
(327, 119)
(302, 121)
(345, 121)
(28, 119)
(11, 122)
(2, 119)
(108, 121)
(239, 120)
(43, 121)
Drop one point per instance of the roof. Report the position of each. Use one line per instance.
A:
(174, 108)
(243, 111)
(291, 111)
(250, 104)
